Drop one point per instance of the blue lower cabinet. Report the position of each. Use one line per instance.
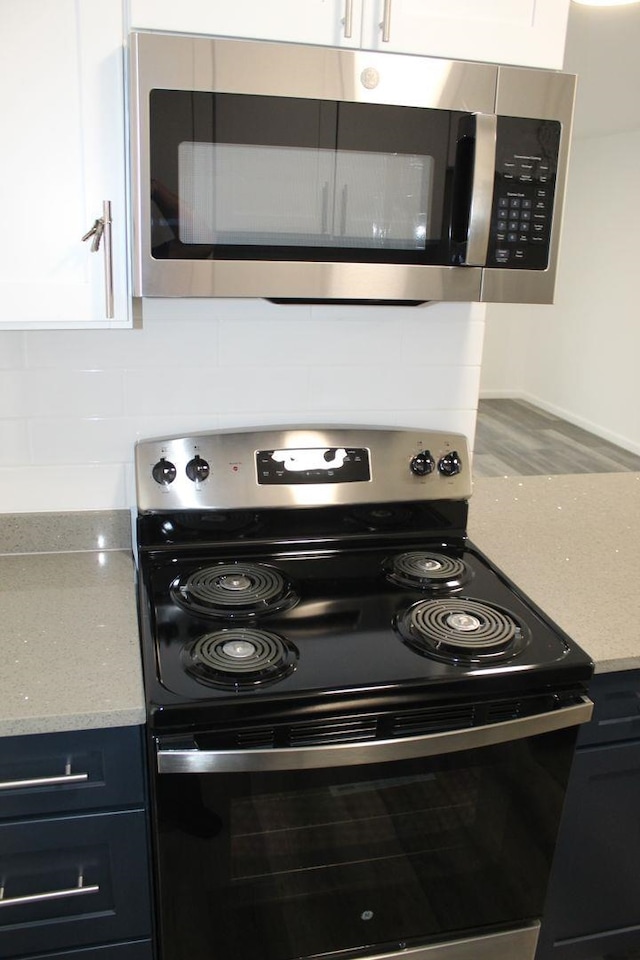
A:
(71, 881)
(74, 847)
(593, 902)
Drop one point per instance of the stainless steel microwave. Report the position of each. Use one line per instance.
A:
(293, 172)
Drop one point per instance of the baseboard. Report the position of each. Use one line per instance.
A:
(501, 395)
(596, 429)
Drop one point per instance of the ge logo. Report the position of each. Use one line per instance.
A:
(367, 915)
(370, 78)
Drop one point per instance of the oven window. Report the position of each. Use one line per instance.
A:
(375, 858)
(276, 177)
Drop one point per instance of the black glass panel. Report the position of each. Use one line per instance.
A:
(368, 859)
(237, 176)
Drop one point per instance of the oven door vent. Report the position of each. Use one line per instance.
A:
(346, 730)
(434, 720)
(255, 739)
(505, 711)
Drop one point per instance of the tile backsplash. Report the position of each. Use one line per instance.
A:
(72, 403)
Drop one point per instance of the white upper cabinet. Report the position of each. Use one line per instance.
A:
(62, 113)
(525, 32)
(327, 22)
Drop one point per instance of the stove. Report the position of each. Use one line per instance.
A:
(308, 592)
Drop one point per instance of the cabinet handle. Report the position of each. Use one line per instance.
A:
(386, 21)
(61, 778)
(76, 891)
(102, 228)
(348, 19)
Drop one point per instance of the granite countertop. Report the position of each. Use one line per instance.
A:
(572, 543)
(69, 643)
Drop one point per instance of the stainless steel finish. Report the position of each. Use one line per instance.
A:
(61, 779)
(108, 260)
(232, 482)
(102, 228)
(386, 21)
(348, 19)
(544, 96)
(79, 890)
(242, 66)
(305, 280)
(518, 944)
(380, 751)
(482, 190)
(175, 62)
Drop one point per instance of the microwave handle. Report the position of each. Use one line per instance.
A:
(480, 190)
(374, 751)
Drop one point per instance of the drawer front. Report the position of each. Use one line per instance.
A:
(595, 878)
(134, 950)
(73, 881)
(616, 714)
(76, 770)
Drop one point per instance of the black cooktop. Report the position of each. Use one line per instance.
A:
(364, 624)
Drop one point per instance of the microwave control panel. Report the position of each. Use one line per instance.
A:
(523, 193)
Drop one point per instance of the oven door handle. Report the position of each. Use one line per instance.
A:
(375, 751)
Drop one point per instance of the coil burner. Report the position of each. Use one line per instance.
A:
(427, 571)
(241, 656)
(234, 590)
(462, 631)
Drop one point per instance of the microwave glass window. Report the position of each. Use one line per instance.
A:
(235, 177)
(245, 194)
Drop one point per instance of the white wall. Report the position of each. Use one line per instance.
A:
(72, 403)
(579, 357)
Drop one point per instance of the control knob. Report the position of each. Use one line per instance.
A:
(422, 464)
(197, 469)
(164, 471)
(450, 464)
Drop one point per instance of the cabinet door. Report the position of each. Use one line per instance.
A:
(331, 22)
(525, 32)
(73, 881)
(54, 773)
(62, 113)
(593, 890)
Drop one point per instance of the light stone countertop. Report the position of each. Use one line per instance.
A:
(69, 649)
(68, 642)
(572, 543)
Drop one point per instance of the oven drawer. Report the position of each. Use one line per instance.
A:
(72, 881)
(76, 770)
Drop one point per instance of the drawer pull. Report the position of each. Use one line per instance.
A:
(63, 778)
(76, 891)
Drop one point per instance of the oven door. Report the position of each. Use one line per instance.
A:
(434, 847)
(279, 171)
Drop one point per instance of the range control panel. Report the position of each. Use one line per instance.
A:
(524, 187)
(300, 466)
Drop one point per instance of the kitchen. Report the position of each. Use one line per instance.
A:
(76, 399)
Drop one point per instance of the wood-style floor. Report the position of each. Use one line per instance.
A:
(514, 438)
